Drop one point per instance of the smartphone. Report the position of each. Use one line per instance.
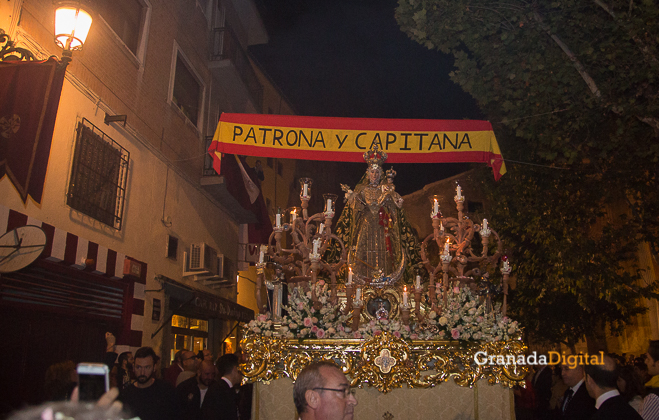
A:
(93, 381)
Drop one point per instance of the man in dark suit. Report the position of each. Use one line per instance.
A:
(576, 403)
(227, 367)
(601, 382)
(199, 396)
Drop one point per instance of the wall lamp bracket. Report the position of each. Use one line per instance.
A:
(115, 118)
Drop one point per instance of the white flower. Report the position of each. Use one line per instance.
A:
(443, 320)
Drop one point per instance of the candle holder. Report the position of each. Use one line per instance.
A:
(350, 288)
(356, 314)
(417, 304)
(405, 314)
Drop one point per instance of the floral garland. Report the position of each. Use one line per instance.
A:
(464, 317)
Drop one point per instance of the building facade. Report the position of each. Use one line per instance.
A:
(141, 241)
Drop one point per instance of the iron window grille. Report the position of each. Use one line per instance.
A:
(97, 186)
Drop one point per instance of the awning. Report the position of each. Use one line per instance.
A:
(202, 304)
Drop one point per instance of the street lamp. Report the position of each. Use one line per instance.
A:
(72, 25)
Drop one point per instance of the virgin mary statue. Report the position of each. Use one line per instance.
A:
(373, 228)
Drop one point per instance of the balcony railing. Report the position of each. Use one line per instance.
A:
(225, 46)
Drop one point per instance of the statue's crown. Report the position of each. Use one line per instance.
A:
(375, 156)
(391, 174)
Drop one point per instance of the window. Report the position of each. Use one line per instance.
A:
(187, 88)
(189, 334)
(172, 247)
(97, 186)
(125, 17)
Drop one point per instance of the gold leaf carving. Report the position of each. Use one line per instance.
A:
(418, 364)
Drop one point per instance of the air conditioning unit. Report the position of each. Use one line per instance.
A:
(203, 258)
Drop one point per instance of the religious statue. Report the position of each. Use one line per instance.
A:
(376, 254)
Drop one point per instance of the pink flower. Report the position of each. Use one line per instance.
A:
(414, 336)
(377, 332)
(262, 317)
(321, 282)
(340, 328)
(314, 329)
(300, 305)
(356, 334)
(397, 334)
(456, 290)
(406, 327)
(320, 333)
(307, 322)
(455, 333)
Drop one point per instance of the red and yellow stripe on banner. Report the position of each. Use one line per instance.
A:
(346, 139)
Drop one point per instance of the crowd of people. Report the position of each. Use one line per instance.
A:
(321, 392)
(623, 387)
(195, 387)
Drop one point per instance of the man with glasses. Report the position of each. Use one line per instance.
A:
(190, 363)
(322, 392)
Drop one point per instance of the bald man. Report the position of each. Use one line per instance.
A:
(601, 382)
(322, 392)
(199, 396)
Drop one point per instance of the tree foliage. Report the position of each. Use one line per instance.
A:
(571, 86)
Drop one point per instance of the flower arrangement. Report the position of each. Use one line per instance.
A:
(464, 317)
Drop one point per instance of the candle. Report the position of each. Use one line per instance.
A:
(418, 282)
(261, 255)
(305, 190)
(446, 246)
(405, 293)
(459, 190)
(435, 209)
(329, 204)
(349, 276)
(484, 224)
(358, 295)
(321, 229)
(441, 225)
(315, 245)
(293, 216)
(278, 220)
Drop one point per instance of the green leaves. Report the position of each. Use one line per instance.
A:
(527, 65)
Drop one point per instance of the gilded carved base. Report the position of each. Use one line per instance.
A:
(385, 362)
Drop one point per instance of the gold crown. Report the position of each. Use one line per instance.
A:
(391, 174)
(375, 156)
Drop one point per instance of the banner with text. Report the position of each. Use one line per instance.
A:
(346, 139)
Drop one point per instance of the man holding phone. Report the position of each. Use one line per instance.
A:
(149, 398)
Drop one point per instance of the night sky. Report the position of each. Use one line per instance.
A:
(349, 58)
